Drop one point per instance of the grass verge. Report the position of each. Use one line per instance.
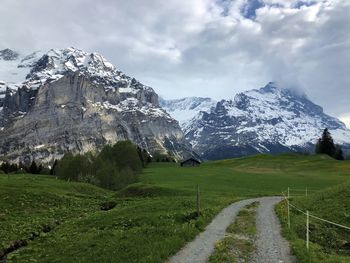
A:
(239, 243)
(328, 243)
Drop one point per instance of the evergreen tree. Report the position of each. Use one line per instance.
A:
(33, 168)
(13, 168)
(325, 145)
(9, 168)
(54, 165)
(5, 167)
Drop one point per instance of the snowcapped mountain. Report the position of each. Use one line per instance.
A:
(266, 120)
(71, 100)
(183, 110)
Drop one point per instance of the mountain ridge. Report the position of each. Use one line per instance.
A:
(69, 100)
(95, 103)
(266, 120)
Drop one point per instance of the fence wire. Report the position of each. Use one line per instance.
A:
(313, 216)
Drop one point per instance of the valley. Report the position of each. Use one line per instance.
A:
(153, 218)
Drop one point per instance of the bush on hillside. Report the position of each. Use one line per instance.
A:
(75, 167)
(338, 153)
(114, 167)
(122, 154)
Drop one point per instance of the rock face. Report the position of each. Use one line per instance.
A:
(267, 120)
(72, 101)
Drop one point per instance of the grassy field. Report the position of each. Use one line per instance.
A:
(154, 218)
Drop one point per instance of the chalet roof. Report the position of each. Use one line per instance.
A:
(191, 159)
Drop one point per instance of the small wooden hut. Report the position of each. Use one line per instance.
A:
(191, 162)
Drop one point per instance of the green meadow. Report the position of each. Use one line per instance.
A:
(153, 218)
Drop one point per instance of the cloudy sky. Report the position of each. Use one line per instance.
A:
(212, 48)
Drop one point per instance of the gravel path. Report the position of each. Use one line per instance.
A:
(271, 246)
(202, 247)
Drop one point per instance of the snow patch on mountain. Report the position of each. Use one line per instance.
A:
(39, 68)
(183, 110)
(14, 67)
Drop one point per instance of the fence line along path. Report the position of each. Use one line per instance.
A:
(308, 216)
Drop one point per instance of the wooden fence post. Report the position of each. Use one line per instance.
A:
(307, 229)
(198, 201)
(288, 213)
(288, 193)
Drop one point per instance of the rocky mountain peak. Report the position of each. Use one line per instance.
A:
(8, 54)
(270, 119)
(69, 100)
(271, 97)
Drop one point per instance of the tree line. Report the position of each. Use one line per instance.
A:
(32, 168)
(114, 167)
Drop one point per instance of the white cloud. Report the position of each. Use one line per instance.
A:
(199, 47)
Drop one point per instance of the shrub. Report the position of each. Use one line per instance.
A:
(114, 167)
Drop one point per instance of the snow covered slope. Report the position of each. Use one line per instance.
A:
(69, 100)
(14, 67)
(185, 109)
(270, 120)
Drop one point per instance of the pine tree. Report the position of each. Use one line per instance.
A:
(325, 145)
(33, 168)
(5, 167)
(13, 168)
(52, 170)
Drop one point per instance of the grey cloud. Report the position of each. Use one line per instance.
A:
(199, 47)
